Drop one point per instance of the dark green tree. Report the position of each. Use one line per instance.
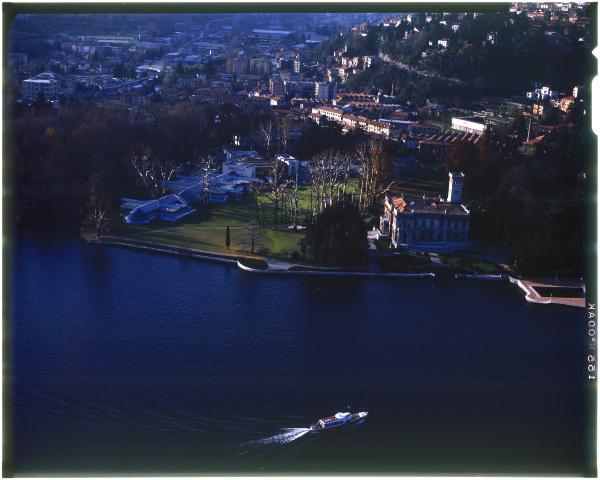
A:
(338, 236)
(228, 238)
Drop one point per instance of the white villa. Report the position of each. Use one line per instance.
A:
(170, 208)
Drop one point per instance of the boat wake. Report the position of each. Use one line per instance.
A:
(288, 435)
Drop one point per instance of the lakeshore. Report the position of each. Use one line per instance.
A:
(264, 266)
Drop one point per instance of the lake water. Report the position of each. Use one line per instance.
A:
(121, 361)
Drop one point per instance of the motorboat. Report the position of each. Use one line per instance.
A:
(337, 420)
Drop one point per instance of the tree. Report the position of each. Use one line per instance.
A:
(328, 177)
(293, 199)
(373, 173)
(277, 184)
(97, 218)
(462, 155)
(265, 131)
(283, 132)
(338, 236)
(151, 170)
(207, 168)
(228, 238)
(253, 235)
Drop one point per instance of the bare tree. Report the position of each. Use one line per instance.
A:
(327, 178)
(152, 171)
(373, 172)
(253, 235)
(265, 131)
(98, 216)
(293, 199)
(283, 132)
(207, 168)
(277, 184)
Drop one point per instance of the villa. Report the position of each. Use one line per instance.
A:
(427, 224)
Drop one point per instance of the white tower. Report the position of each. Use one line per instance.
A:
(455, 186)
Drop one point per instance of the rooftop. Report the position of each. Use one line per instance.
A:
(410, 205)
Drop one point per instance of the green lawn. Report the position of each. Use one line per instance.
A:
(304, 195)
(207, 231)
(420, 186)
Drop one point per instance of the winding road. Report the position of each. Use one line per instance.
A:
(386, 59)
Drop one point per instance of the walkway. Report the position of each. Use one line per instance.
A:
(531, 295)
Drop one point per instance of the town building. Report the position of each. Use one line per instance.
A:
(422, 128)
(325, 90)
(276, 87)
(330, 113)
(297, 65)
(469, 124)
(260, 65)
(542, 93)
(427, 224)
(45, 84)
(247, 166)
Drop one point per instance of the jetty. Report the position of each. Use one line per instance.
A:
(551, 291)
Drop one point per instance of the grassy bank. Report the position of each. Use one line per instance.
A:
(207, 231)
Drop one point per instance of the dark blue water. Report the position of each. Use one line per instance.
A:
(127, 362)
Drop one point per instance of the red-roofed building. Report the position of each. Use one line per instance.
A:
(427, 224)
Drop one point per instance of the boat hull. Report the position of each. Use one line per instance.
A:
(338, 420)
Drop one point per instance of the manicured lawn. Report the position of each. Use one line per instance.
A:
(281, 242)
(207, 231)
(304, 196)
(420, 186)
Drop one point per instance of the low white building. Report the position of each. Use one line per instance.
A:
(542, 93)
(247, 167)
(469, 124)
(170, 208)
(293, 164)
(331, 113)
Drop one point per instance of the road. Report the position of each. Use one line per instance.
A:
(386, 58)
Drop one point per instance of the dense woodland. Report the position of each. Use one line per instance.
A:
(58, 155)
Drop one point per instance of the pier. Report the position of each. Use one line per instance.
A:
(536, 291)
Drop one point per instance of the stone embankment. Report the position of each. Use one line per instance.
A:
(276, 267)
(273, 267)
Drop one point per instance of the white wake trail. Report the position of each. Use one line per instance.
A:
(288, 435)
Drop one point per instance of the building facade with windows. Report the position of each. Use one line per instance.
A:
(44, 83)
(427, 224)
